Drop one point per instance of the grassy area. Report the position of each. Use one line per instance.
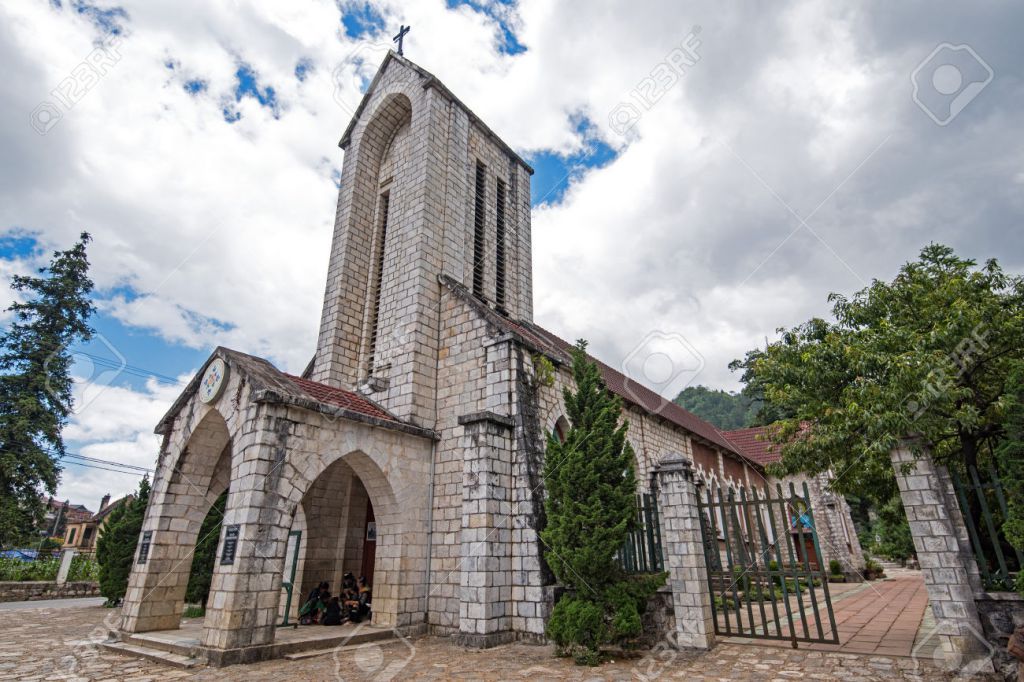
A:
(82, 568)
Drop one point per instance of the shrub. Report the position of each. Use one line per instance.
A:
(577, 628)
(834, 567)
(873, 570)
(194, 611)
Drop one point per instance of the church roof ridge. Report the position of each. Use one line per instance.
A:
(434, 82)
(269, 384)
(633, 392)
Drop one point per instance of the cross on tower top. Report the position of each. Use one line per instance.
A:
(403, 29)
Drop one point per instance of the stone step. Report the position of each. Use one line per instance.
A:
(172, 643)
(345, 644)
(156, 655)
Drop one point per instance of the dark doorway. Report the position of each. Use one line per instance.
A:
(369, 544)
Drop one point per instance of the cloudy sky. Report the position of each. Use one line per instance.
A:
(705, 174)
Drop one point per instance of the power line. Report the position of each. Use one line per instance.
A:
(130, 369)
(105, 461)
(116, 471)
(92, 462)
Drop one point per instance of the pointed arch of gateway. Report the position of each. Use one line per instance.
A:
(196, 471)
(351, 523)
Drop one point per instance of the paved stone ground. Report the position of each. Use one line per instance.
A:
(54, 644)
(880, 617)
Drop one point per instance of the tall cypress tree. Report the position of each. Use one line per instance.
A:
(115, 548)
(205, 555)
(590, 487)
(35, 384)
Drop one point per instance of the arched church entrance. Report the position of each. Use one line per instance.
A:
(344, 515)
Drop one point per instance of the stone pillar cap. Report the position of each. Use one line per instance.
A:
(673, 462)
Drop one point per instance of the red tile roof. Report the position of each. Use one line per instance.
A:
(631, 391)
(755, 443)
(341, 398)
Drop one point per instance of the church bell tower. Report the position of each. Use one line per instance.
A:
(426, 189)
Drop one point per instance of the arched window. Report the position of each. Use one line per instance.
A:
(561, 430)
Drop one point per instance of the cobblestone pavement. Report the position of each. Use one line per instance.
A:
(883, 617)
(54, 644)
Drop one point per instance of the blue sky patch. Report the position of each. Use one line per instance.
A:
(107, 20)
(509, 42)
(248, 85)
(125, 356)
(553, 172)
(194, 86)
(304, 66)
(19, 245)
(361, 19)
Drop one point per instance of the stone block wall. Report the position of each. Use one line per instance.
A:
(943, 549)
(34, 590)
(1000, 614)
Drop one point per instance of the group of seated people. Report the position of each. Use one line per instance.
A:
(351, 605)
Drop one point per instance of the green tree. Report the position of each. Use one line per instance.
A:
(115, 548)
(894, 531)
(725, 410)
(1011, 459)
(590, 486)
(925, 356)
(198, 590)
(35, 384)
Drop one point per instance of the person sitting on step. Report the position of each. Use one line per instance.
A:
(315, 604)
(359, 608)
(349, 588)
(332, 614)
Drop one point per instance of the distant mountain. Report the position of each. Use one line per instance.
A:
(723, 409)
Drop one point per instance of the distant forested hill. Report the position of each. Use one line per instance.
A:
(723, 409)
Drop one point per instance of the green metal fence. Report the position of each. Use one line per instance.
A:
(642, 551)
(983, 504)
(765, 568)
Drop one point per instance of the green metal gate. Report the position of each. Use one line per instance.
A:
(765, 571)
(983, 504)
(641, 553)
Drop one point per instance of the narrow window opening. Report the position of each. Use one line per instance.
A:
(478, 232)
(499, 256)
(378, 280)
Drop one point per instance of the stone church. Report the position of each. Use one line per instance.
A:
(411, 448)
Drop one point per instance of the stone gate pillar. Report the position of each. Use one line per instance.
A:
(485, 588)
(943, 548)
(684, 553)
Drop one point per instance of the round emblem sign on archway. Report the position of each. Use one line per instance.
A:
(213, 381)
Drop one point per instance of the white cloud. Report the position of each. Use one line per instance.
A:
(114, 424)
(224, 229)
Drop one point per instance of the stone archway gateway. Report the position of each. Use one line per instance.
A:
(298, 455)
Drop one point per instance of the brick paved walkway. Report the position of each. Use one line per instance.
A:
(54, 644)
(881, 617)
